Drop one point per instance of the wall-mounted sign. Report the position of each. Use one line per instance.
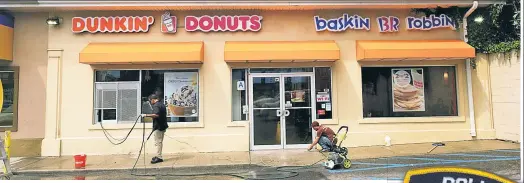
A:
(388, 24)
(431, 22)
(241, 85)
(223, 23)
(342, 23)
(169, 23)
(112, 24)
(385, 23)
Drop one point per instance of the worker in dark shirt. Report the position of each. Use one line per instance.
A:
(324, 138)
(159, 116)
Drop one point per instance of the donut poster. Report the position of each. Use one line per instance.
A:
(181, 90)
(408, 90)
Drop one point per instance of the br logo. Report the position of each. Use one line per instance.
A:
(452, 175)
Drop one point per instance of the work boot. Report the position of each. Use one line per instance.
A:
(156, 160)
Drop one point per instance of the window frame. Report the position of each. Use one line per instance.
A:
(457, 87)
(314, 102)
(116, 104)
(246, 98)
(330, 92)
(198, 122)
(16, 77)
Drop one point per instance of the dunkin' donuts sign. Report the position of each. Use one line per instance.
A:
(112, 24)
(168, 23)
(223, 23)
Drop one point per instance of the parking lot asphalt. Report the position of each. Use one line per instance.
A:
(505, 163)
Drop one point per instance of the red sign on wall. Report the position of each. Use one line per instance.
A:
(223, 23)
(112, 24)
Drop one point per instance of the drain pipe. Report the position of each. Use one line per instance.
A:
(468, 72)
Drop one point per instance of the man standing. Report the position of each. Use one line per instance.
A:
(324, 137)
(159, 116)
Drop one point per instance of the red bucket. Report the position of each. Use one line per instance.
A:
(80, 161)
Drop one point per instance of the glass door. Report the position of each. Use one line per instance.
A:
(281, 110)
(297, 111)
(266, 113)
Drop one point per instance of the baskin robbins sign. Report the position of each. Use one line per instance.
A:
(384, 23)
(169, 24)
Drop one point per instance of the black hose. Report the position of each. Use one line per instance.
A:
(109, 136)
(291, 170)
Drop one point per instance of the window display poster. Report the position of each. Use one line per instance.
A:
(181, 89)
(323, 97)
(408, 90)
(297, 96)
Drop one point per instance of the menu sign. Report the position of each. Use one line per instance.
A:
(408, 90)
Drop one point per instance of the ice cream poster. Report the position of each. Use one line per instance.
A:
(408, 90)
(181, 94)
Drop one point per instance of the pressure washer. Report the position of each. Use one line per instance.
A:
(338, 154)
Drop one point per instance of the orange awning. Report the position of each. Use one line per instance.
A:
(413, 50)
(281, 51)
(142, 53)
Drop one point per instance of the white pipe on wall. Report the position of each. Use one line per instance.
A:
(473, 131)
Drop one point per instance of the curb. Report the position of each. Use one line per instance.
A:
(15, 172)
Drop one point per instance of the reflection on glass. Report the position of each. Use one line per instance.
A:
(8, 85)
(265, 125)
(280, 70)
(238, 96)
(153, 83)
(117, 75)
(298, 91)
(266, 92)
(440, 92)
(323, 88)
(298, 126)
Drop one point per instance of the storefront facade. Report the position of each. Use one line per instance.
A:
(255, 85)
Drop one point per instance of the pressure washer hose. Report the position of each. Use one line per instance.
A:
(292, 170)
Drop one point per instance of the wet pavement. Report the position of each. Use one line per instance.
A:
(505, 163)
(502, 162)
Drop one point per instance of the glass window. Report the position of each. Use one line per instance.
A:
(121, 95)
(239, 94)
(9, 100)
(117, 102)
(280, 70)
(178, 89)
(409, 91)
(323, 93)
(117, 75)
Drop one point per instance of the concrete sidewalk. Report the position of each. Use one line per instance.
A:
(264, 158)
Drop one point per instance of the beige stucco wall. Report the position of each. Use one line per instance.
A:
(30, 54)
(480, 79)
(505, 70)
(215, 131)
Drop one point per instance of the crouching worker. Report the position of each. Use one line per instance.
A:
(159, 116)
(324, 137)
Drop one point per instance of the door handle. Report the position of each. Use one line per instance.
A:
(286, 113)
(279, 113)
